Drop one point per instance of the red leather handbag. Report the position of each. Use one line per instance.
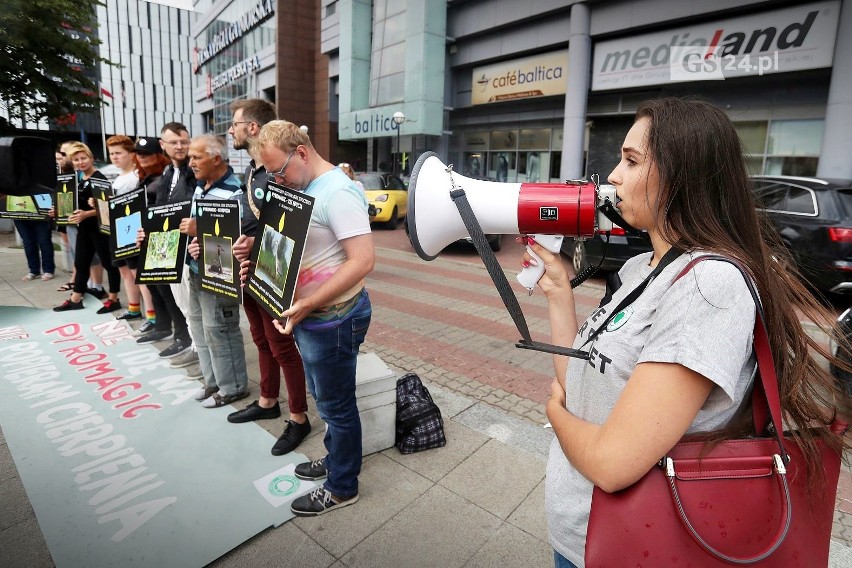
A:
(737, 502)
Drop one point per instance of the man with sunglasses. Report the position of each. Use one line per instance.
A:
(276, 352)
(331, 311)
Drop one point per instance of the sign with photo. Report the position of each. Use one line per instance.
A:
(217, 224)
(276, 256)
(125, 219)
(101, 191)
(65, 198)
(163, 251)
(26, 207)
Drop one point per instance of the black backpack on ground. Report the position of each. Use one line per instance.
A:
(419, 425)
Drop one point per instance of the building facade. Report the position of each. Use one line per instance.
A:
(545, 91)
(257, 49)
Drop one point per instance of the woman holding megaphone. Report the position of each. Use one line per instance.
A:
(670, 352)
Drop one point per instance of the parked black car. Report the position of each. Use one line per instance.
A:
(813, 216)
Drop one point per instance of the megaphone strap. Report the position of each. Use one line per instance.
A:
(501, 283)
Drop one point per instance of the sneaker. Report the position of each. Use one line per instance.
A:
(185, 359)
(98, 293)
(319, 501)
(110, 306)
(47, 276)
(293, 435)
(155, 335)
(194, 373)
(312, 471)
(204, 393)
(29, 276)
(69, 305)
(255, 411)
(146, 327)
(217, 400)
(128, 315)
(176, 348)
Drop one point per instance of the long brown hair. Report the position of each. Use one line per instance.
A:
(706, 203)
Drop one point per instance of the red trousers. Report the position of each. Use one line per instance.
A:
(276, 351)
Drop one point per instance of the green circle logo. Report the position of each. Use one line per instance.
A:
(620, 319)
(283, 485)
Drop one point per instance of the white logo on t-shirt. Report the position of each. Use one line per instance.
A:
(620, 319)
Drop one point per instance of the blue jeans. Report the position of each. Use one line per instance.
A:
(215, 324)
(561, 562)
(330, 355)
(38, 246)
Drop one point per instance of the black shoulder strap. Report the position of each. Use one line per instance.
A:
(502, 285)
(667, 259)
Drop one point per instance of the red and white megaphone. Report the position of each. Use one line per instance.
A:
(548, 211)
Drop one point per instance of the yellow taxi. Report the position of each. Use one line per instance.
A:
(387, 197)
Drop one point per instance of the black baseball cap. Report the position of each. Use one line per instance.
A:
(147, 145)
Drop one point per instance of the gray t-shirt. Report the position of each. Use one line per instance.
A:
(704, 321)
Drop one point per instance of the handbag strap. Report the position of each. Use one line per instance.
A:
(765, 393)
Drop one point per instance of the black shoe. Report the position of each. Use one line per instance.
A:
(293, 435)
(69, 305)
(319, 501)
(155, 336)
(254, 411)
(128, 315)
(98, 293)
(176, 348)
(110, 306)
(312, 471)
(146, 327)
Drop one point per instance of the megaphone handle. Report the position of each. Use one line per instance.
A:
(529, 276)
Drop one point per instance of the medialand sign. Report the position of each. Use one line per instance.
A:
(779, 41)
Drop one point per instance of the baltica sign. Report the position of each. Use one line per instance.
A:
(536, 76)
(261, 12)
(791, 39)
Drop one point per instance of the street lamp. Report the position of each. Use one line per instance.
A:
(398, 119)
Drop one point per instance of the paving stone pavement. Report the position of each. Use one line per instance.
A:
(476, 502)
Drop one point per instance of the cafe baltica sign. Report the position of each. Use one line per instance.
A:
(261, 12)
(536, 76)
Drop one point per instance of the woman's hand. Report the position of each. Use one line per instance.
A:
(140, 237)
(194, 249)
(51, 213)
(92, 202)
(555, 278)
(556, 400)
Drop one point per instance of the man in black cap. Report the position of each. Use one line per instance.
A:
(160, 190)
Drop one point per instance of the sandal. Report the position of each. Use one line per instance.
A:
(68, 287)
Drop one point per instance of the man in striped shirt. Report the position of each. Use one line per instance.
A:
(213, 318)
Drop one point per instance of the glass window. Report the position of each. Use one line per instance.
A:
(534, 139)
(791, 166)
(556, 167)
(801, 200)
(795, 137)
(752, 135)
(504, 140)
(502, 166)
(769, 195)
